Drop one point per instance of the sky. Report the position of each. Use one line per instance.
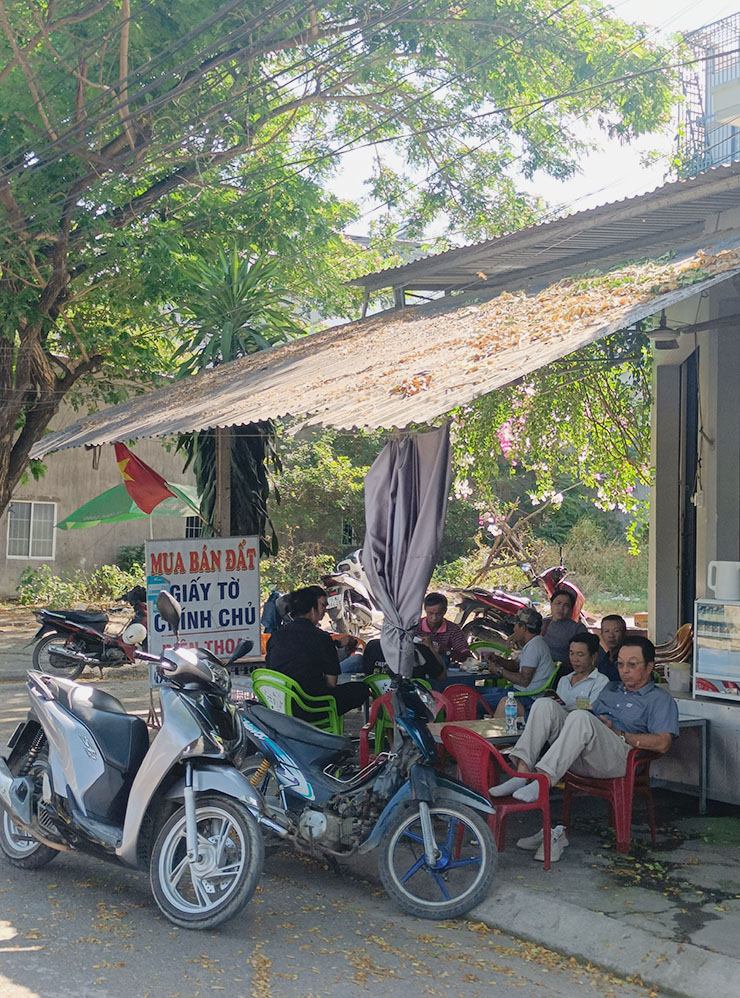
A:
(614, 172)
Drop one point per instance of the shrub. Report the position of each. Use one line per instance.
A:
(129, 555)
(40, 587)
(294, 566)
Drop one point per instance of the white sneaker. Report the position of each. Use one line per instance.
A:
(558, 842)
(531, 842)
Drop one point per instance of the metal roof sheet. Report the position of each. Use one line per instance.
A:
(408, 366)
(674, 214)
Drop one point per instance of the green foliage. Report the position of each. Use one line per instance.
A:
(129, 555)
(235, 307)
(613, 579)
(232, 308)
(579, 428)
(293, 567)
(126, 153)
(41, 587)
(321, 496)
(609, 573)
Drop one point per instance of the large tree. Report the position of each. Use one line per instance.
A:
(132, 134)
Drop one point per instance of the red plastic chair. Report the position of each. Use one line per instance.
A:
(619, 792)
(465, 702)
(381, 722)
(480, 766)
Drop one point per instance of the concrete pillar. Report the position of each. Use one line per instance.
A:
(665, 504)
(718, 489)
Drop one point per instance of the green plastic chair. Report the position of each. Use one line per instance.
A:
(279, 692)
(481, 647)
(547, 685)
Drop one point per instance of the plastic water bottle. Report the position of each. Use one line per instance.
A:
(510, 713)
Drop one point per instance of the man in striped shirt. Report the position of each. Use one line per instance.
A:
(440, 634)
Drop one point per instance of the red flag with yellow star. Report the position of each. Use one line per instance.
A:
(143, 484)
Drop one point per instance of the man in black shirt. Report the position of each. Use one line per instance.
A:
(301, 650)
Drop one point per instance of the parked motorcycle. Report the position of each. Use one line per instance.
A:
(68, 640)
(489, 614)
(81, 776)
(351, 608)
(437, 856)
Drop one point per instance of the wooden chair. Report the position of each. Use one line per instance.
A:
(681, 641)
(480, 766)
(619, 792)
(279, 692)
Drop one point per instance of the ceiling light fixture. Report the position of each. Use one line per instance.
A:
(663, 338)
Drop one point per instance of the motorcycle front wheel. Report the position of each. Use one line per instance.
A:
(215, 888)
(462, 873)
(54, 664)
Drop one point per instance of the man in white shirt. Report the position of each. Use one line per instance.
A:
(534, 668)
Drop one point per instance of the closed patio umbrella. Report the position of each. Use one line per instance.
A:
(406, 493)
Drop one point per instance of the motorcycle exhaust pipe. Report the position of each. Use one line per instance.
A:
(74, 656)
(15, 794)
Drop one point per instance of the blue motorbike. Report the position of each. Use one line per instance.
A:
(436, 854)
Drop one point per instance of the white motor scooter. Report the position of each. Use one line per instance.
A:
(80, 775)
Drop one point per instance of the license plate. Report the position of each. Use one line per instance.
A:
(335, 600)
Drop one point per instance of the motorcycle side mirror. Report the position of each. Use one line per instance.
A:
(169, 609)
(243, 648)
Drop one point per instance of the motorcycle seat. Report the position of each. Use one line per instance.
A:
(122, 738)
(90, 618)
(295, 729)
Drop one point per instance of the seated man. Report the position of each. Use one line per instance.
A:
(613, 633)
(633, 713)
(585, 682)
(301, 650)
(439, 634)
(535, 663)
(560, 627)
(429, 665)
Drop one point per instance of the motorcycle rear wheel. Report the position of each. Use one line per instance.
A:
(216, 888)
(461, 877)
(20, 848)
(17, 845)
(56, 665)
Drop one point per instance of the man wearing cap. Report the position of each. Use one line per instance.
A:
(535, 662)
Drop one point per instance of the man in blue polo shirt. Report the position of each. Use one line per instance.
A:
(633, 713)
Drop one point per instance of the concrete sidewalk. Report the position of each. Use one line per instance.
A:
(669, 916)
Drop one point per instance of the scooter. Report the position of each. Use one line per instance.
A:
(351, 608)
(81, 776)
(489, 614)
(436, 853)
(68, 640)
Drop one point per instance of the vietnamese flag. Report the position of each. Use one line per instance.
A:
(143, 484)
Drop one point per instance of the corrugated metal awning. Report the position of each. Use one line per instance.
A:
(409, 366)
(674, 215)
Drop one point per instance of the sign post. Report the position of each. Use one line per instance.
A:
(216, 582)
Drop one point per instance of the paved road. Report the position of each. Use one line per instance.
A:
(81, 928)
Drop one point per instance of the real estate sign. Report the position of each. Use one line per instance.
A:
(216, 582)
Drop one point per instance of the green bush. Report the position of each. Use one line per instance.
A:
(129, 555)
(294, 566)
(40, 587)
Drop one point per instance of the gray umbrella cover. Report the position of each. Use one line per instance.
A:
(406, 493)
